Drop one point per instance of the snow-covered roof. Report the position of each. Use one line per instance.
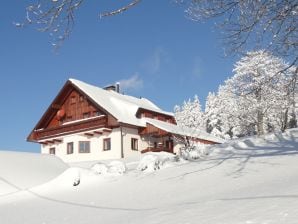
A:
(122, 107)
(175, 129)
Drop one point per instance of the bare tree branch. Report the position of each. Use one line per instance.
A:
(118, 11)
(252, 24)
(57, 17)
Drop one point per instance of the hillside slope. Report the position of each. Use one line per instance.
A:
(20, 170)
(251, 180)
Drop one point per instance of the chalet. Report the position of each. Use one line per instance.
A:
(85, 122)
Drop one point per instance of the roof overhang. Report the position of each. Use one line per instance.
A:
(182, 131)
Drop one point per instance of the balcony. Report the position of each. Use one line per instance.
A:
(70, 128)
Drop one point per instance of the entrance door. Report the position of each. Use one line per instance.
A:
(170, 145)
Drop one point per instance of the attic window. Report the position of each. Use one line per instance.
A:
(73, 100)
(96, 113)
(68, 118)
(81, 99)
(86, 115)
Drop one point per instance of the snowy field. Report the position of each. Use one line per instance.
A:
(248, 181)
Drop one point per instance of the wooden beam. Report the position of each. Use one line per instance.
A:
(98, 132)
(89, 134)
(56, 106)
(57, 140)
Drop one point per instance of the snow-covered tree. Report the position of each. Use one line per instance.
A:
(282, 115)
(190, 114)
(261, 89)
(259, 98)
(214, 116)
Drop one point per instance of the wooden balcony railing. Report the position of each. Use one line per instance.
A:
(162, 149)
(84, 125)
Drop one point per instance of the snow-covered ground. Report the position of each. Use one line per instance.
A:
(246, 181)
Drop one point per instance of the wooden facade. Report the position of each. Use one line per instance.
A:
(154, 115)
(71, 128)
(71, 111)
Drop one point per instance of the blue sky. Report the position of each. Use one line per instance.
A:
(153, 49)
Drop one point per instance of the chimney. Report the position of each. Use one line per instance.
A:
(110, 88)
(117, 87)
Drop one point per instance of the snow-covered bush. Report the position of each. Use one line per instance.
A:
(194, 152)
(113, 168)
(156, 160)
(99, 168)
(117, 167)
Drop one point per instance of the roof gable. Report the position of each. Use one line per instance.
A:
(123, 107)
(63, 109)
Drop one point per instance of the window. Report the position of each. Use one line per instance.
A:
(134, 144)
(70, 148)
(81, 99)
(106, 144)
(68, 118)
(73, 100)
(96, 113)
(52, 151)
(84, 147)
(86, 115)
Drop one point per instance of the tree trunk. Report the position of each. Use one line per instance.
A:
(260, 123)
(284, 123)
(260, 114)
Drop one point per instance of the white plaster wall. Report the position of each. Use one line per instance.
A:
(128, 134)
(96, 147)
(143, 144)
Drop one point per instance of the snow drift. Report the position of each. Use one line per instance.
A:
(20, 170)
